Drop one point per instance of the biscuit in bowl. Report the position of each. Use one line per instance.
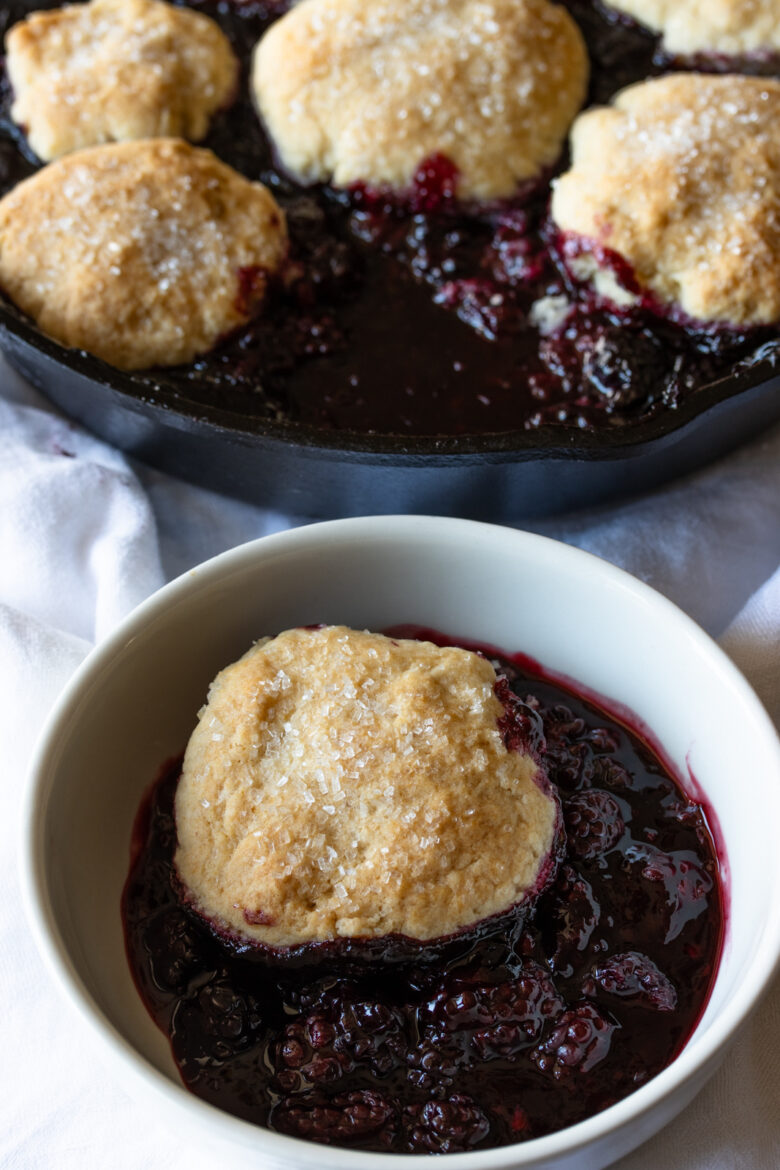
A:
(673, 198)
(116, 70)
(688, 27)
(142, 253)
(365, 93)
(343, 784)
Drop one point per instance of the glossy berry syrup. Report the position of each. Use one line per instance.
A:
(413, 314)
(516, 1029)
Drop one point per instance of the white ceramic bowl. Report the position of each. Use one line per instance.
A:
(133, 702)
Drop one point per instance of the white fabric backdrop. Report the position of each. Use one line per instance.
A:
(85, 536)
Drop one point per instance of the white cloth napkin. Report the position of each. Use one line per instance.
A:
(84, 536)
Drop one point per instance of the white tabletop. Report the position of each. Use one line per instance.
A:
(84, 536)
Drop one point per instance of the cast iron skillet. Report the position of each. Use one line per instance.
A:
(312, 472)
(326, 470)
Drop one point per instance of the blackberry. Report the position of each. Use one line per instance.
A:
(633, 976)
(685, 881)
(332, 1041)
(445, 1127)
(342, 1120)
(491, 1019)
(176, 949)
(521, 727)
(215, 1023)
(574, 914)
(594, 823)
(579, 1041)
(567, 751)
(603, 770)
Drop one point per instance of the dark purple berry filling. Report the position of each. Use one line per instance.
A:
(527, 1025)
(411, 313)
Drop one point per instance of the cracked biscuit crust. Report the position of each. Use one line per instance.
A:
(143, 253)
(681, 177)
(355, 92)
(347, 784)
(114, 70)
(709, 26)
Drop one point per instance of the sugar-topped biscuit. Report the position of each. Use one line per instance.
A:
(349, 785)
(680, 177)
(355, 92)
(709, 26)
(143, 253)
(114, 70)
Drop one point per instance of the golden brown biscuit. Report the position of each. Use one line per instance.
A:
(143, 253)
(343, 784)
(709, 26)
(364, 92)
(681, 177)
(113, 70)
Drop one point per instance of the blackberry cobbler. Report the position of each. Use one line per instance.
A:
(427, 287)
(409, 896)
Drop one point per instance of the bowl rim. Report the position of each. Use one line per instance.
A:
(699, 1055)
